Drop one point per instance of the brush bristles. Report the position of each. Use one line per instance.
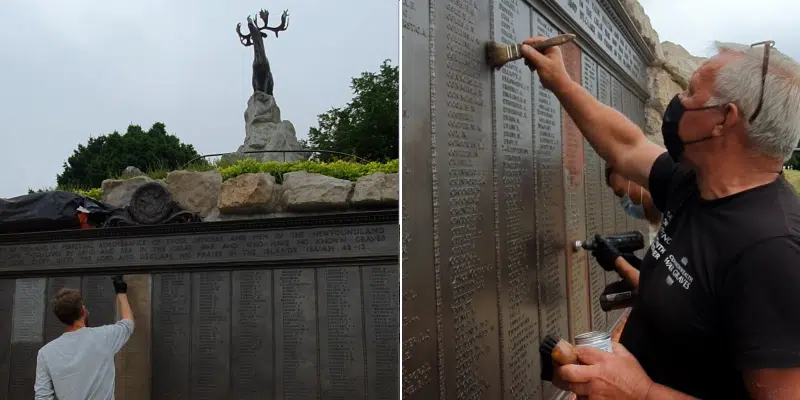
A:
(500, 54)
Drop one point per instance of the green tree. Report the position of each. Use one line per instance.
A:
(107, 156)
(367, 126)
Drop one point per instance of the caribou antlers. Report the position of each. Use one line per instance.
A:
(245, 39)
(264, 14)
(252, 25)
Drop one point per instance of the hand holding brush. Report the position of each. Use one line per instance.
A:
(498, 54)
(555, 349)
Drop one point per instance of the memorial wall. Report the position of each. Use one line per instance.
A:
(498, 182)
(285, 308)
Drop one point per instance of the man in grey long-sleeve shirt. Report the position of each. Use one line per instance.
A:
(79, 365)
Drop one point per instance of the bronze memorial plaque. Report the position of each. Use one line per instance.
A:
(609, 203)
(497, 184)
(295, 334)
(172, 344)
(464, 222)
(211, 334)
(380, 300)
(420, 373)
(514, 185)
(6, 324)
(252, 335)
(593, 190)
(27, 335)
(341, 343)
(227, 321)
(575, 207)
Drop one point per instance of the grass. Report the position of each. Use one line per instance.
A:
(793, 176)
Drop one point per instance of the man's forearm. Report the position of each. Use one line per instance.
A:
(604, 127)
(125, 311)
(627, 272)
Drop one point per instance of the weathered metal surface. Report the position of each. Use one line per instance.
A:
(464, 206)
(596, 20)
(252, 335)
(380, 300)
(217, 330)
(515, 195)
(575, 208)
(420, 275)
(6, 321)
(550, 236)
(262, 243)
(593, 191)
(27, 335)
(341, 344)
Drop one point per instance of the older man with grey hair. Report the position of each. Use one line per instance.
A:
(718, 315)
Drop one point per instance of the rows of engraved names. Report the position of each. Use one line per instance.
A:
(380, 297)
(252, 327)
(595, 20)
(296, 334)
(340, 298)
(514, 122)
(172, 317)
(211, 333)
(409, 9)
(593, 192)
(464, 97)
(547, 130)
(338, 241)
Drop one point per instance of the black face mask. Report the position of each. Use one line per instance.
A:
(669, 127)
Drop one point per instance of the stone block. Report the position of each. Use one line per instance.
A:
(249, 193)
(197, 192)
(376, 189)
(303, 191)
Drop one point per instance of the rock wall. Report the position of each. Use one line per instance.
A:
(669, 74)
(258, 195)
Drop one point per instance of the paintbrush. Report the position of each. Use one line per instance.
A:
(498, 54)
(555, 349)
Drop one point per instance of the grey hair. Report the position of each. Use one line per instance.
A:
(776, 130)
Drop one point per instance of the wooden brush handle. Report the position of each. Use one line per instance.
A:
(553, 41)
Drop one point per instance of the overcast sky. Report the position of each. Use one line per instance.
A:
(78, 68)
(696, 24)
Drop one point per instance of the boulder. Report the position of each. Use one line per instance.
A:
(249, 193)
(642, 24)
(662, 88)
(118, 192)
(652, 125)
(303, 191)
(131, 171)
(376, 189)
(197, 192)
(264, 130)
(679, 63)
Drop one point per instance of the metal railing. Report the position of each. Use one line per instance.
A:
(338, 153)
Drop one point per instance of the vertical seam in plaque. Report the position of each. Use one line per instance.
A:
(435, 196)
(364, 329)
(316, 314)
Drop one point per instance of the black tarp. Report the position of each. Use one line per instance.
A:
(49, 211)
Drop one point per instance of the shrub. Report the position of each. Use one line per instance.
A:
(336, 169)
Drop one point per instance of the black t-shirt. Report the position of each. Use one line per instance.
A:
(719, 290)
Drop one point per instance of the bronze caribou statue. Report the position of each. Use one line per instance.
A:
(262, 75)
